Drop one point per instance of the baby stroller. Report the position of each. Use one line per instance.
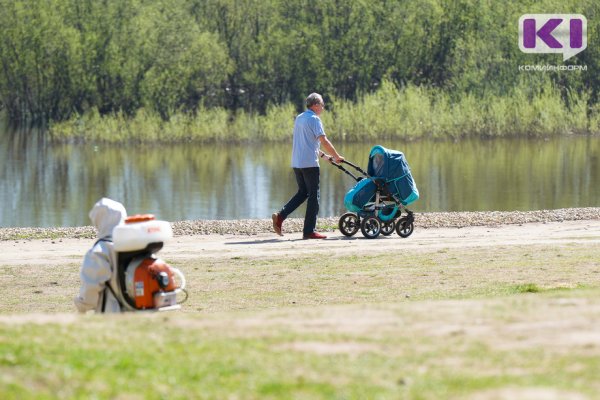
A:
(377, 203)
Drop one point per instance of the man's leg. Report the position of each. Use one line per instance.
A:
(297, 199)
(311, 179)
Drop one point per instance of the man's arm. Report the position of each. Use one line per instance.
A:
(330, 149)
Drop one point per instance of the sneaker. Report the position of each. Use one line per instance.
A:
(277, 222)
(314, 235)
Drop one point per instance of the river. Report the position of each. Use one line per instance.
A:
(45, 185)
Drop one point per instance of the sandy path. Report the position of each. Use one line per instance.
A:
(61, 251)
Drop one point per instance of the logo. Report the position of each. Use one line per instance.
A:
(139, 289)
(553, 33)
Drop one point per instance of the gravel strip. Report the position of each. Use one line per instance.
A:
(256, 226)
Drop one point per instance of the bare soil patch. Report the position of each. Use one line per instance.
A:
(182, 248)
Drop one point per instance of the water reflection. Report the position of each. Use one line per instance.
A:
(55, 185)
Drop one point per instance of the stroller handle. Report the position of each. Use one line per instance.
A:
(327, 156)
(356, 167)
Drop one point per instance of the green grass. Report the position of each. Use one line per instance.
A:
(290, 353)
(527, 288)
(493, 322)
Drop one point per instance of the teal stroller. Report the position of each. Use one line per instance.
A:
(377, 203)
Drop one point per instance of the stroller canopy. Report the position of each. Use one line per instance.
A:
(387, 164)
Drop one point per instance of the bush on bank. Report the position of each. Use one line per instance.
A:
(410, 112)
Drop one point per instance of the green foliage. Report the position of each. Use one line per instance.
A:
(411, 112)
(40, 60)
(65, 56)
(185, 63)
(455, 64)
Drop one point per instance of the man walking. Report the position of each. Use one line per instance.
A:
(308, 136)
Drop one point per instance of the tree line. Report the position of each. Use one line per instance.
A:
(60, 58)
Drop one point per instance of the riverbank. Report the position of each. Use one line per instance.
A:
(257, 226)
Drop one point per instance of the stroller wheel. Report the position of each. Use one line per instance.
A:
(370, 227)
(349, 224)
(404, 227)
(387, 228)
